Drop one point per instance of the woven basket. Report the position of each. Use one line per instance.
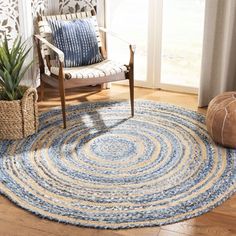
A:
(19, 118)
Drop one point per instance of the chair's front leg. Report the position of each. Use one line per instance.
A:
(62, 93)
(131, 78)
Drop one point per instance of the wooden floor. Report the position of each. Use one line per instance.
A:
(17, 222)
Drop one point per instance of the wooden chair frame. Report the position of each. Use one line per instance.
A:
(62, 84)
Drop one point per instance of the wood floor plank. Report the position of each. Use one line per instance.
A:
(10, 229)
(15, 221)
(209, 224)
(128, 232)
(228, 208)
(171, 233)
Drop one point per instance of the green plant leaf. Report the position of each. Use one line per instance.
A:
(5, 45)
(10, 96)
(8, 81)
(2, 83)
(16, 70)
(17, 50)
(23, 73)
(2, 75)
(11, 64)
(5, 60)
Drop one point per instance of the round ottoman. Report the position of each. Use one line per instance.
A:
(221, 119)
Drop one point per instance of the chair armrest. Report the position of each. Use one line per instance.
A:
(52, 47)
(132, 46)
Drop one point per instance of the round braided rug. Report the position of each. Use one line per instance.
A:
(107, 170)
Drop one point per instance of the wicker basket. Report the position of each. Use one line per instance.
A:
(19, 118)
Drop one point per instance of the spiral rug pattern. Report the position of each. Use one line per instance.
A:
(108, 170)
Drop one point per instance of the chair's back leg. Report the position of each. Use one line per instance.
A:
(131, 89)
(131, 79)
(62, 94)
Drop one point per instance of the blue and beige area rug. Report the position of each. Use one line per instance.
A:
(108, 170)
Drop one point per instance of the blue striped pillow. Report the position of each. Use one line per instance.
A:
(78, 40)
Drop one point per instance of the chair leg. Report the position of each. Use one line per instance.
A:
(62, 95)
(63, 105)
(131, 90)
(131, 77)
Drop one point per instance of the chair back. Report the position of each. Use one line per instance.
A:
(46, 32)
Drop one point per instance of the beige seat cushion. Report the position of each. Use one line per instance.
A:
(221, 119)
(104, 68)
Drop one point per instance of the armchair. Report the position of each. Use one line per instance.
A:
(54, 73)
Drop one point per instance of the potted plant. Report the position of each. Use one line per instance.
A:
(18, 104)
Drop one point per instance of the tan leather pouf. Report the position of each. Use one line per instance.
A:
(221, 119)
